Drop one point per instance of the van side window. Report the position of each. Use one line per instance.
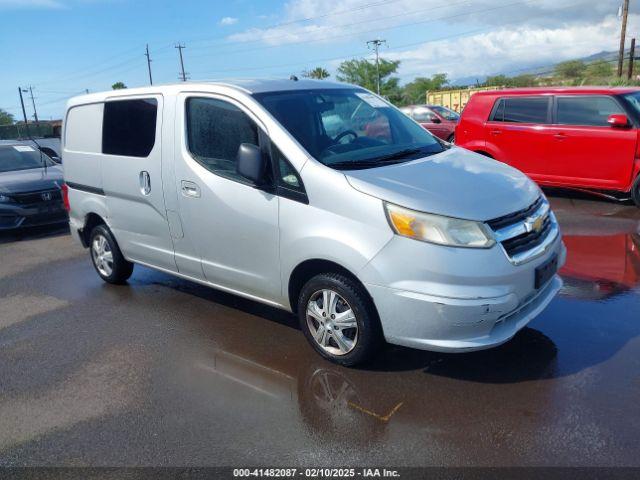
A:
(215, 130)
(522, 110)
(129, 127)
(591, 110)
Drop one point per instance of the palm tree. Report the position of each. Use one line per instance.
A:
(318, 73)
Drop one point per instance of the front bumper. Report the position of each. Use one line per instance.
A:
(455, 300)
(14, 216)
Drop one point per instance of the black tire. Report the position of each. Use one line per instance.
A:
(121, 269)
(368, 336)
(635, 192)
(452, 138)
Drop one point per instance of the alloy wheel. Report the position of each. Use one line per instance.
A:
(102, 255)
(332, 322)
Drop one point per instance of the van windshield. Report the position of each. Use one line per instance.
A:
(349, 128)
(21, 157)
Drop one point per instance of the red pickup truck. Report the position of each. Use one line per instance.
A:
(584, 138)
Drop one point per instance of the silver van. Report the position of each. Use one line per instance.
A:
(315, 197)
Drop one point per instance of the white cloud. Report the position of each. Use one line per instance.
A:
(333, 20)
(510, 50)
(228, 21)
(519, 34)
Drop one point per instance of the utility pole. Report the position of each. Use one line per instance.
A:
(623, 33)
(33, 102)
(24, 112)
(632, 57)
(149, 64)
(183, 75)
(376, 46)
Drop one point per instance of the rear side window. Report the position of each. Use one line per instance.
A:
(588, 111)
(129, 127)
(522, 110)
(215, 130)
(423, 115)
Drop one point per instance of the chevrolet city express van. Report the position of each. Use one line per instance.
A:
(241, 187)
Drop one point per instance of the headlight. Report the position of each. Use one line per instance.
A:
(4, 198)
(427, 227)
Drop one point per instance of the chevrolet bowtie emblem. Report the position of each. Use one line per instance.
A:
(534, 224)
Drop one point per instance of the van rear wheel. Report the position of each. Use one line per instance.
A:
(339, 319)
(107, 258)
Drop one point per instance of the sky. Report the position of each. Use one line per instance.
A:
(63, 47)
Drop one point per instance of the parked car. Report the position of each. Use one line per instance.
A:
(440, 121)
(583, 138)
(30, 184)
(239, 187)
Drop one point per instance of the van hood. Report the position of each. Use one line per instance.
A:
(32, 180)
(456, 183)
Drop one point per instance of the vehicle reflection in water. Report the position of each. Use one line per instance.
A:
(405, 392)
(603, 248)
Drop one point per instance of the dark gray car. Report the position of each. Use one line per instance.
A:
(30, 188)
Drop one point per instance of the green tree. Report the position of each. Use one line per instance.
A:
(118, 86)
(414, 92)
(524, 80)
(6, 118)
(599, 69)
(363, 72)
(571, 69)
(318, 73)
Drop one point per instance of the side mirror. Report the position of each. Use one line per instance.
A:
(251, 163)
(434, 119)
(618, 121)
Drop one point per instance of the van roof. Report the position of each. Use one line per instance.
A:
(559, 90)
(249, 86)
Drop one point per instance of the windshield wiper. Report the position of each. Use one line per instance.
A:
(390, 159)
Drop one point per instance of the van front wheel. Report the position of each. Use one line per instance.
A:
(338, 319)
(107, 258)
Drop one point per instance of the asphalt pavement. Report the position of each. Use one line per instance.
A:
(165, 372)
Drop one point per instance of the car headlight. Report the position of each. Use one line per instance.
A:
(438, 229)
(4, 199)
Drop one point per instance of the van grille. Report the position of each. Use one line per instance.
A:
(527, 241)
(527, 233)
(519, 216)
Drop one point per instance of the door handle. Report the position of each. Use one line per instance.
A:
(190, 189)
(145, 182)
(496, 132)
(560, 136)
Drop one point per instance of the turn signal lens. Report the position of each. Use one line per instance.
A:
(438, 229)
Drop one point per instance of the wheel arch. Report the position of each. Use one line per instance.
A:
(484, 153)
(307, 269)
(91, 220)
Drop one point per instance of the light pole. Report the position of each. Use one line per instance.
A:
(376, 46)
